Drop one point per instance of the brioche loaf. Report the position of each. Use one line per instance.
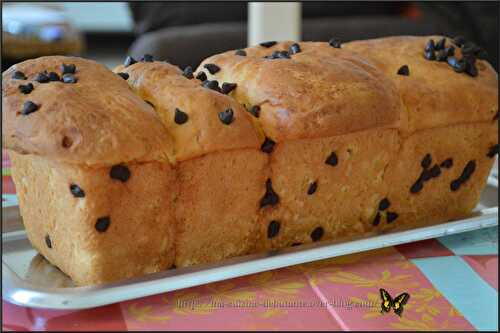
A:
(380, 123)
(271, 146)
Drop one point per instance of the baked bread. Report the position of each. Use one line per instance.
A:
(318, 98)
(220, 169)
(294, 143)
(452, 131)
(85, 161)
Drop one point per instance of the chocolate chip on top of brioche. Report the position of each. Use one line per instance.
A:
(424, 91)
(307, 90)
(93, 117)
(201, 120)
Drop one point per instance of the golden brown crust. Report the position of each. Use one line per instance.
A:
(319, 92)
(434, 95)
(97, 120)
(167, 89)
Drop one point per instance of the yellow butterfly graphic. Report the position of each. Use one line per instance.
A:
(396, 303)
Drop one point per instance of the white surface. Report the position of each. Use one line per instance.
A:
(277, 21)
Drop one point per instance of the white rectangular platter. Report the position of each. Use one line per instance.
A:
(29, 280)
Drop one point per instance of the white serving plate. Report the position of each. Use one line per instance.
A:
(29, 280)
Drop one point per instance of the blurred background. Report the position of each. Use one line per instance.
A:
(184, 33)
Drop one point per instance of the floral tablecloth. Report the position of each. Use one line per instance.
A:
(452, 283)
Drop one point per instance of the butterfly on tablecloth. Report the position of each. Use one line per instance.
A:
(397, 303)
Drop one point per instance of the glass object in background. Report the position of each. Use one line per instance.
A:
(34, 30)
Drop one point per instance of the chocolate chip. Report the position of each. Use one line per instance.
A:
(376, 220)
(188, 72)
(332, 159)
(384, 204)
(404, 70)
(441, 55)
(268, 44)
(425, 175)
(460, 66)
(450, 51)
(129, 61)
(273, 229)
(459, 40)
(76, 191)
(493, 151)
(270, 197)
(452, 61)
(296, 244)
(255, 111)
(29, 107)
(201, 76)
(68, 69)
(391, 216)
(294, 48)
(448, 163)
(430, 46)
(147, 58)
(48, 242)
(471, 69)
(426, 161)
(53, 76)
(317, 234)
(26, 88)
(455, 185)
(496, 116)
(119, 172)
(312, 188)
(274, 55)
(440, 45)
(180, 117)
(240, 53)
(228, 87)
(102, 224)
(280, 55)
(66, 142)
(336, 43)
(211, 84)
(430, 55)
(417, 187)
(469, 169)
(18, 75)
(42, 78)
(124, 76)
(69, 78)
(267, 146)
(284, 55)
(226, 116)
(435, 171)
(212, 68)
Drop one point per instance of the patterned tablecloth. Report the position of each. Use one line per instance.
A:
(452, 283)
